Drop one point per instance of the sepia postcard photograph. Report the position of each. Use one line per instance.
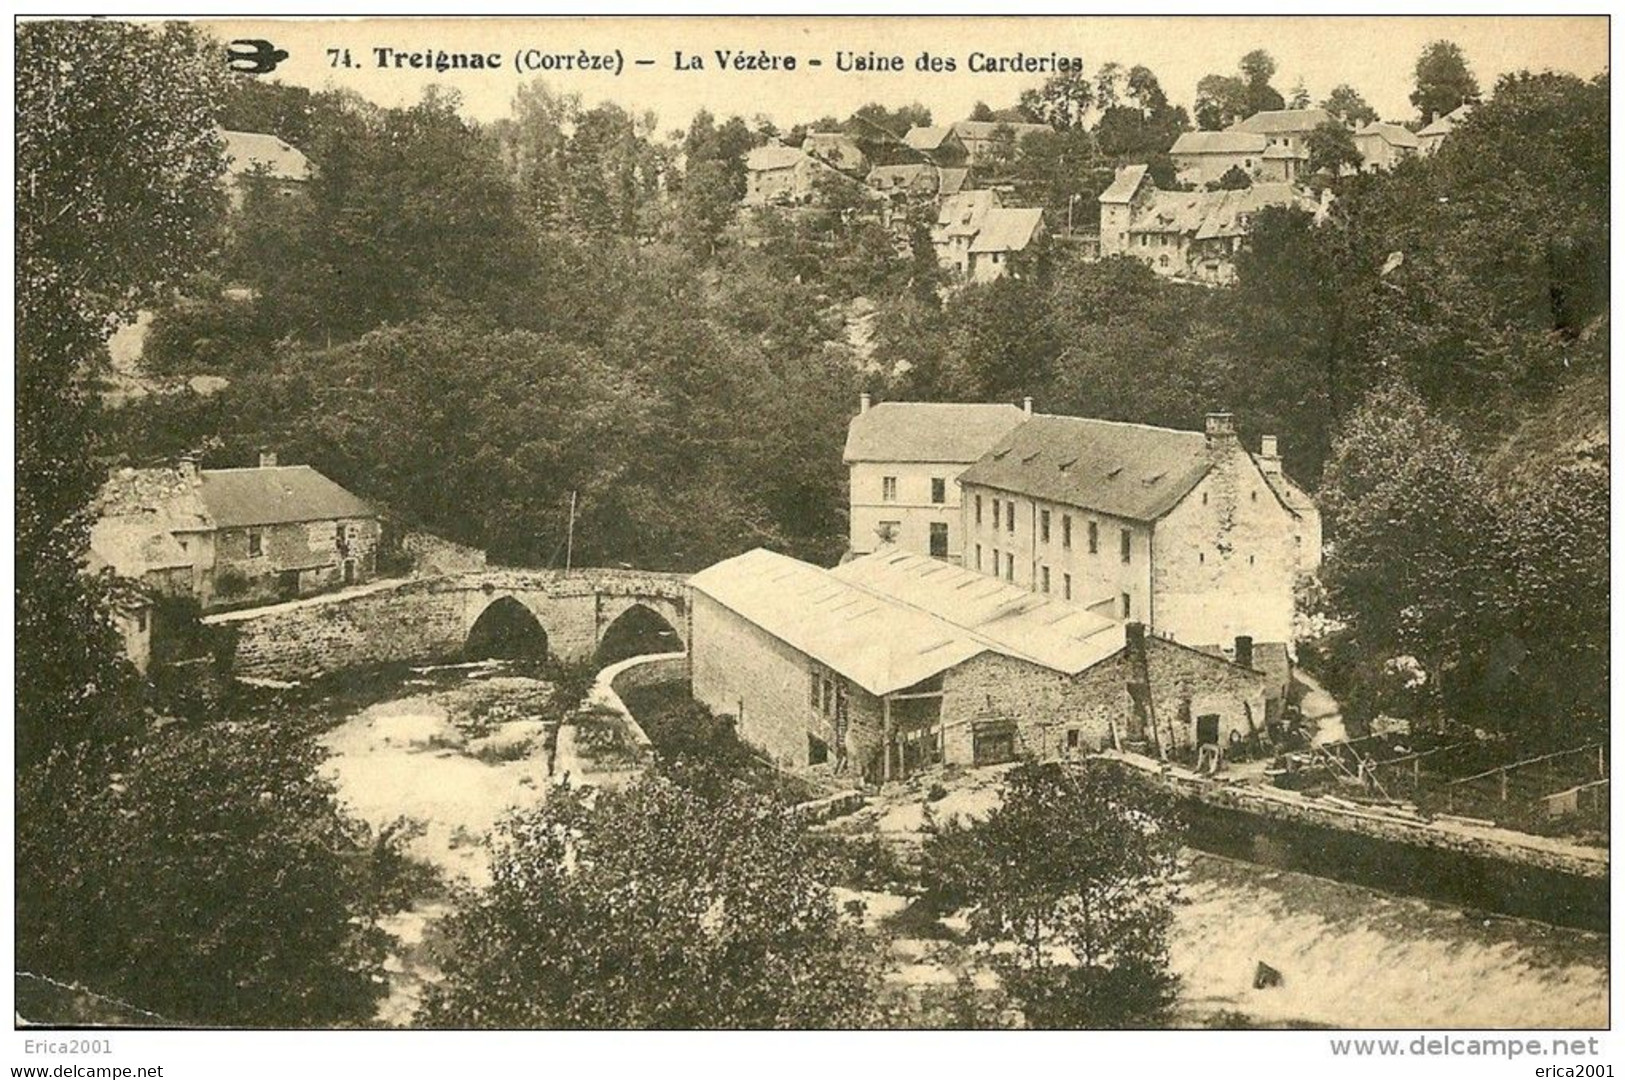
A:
(890, 524)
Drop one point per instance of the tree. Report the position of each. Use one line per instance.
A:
(1331, 149)
(214, 880)
(1300, 96)
(1346, 104)
(1062, 102)
(1234, 179)
(1075, 870)
(1221, 100)
(1140, 123)
(1443, 81)
(981, 111)
(100, 234)
(653, 907)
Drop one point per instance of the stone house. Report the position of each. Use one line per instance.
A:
(903, 463)
(776, 174)
(1382, 146)
(1005, 233)
(1182, 530)
(894, 663)
(985, 140)
(1186, 235)
(837, 150)
(1429, 138)
(256, 158)
(917, 179)
(959, 219)
(229, 537)
(938, 144)
(1202, 157)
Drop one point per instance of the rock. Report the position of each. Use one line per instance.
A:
(1265, 977)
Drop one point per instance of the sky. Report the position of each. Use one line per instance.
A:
(1374, 54)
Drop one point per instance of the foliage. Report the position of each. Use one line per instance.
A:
(1221, 100)
(1075, 869)
(1443, 80)
(98, 236)
(1331, 149)
(1234, 179)
(653, 907)
(1062, 102)
(1347, 105)
(211, 879)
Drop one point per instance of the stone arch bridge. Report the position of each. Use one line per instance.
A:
(572, 614)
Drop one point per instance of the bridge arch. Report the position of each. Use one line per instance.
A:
(638, 630)
(507, 630)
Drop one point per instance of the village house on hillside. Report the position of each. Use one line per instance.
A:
(959, 219)
(255, 158)
(776, 174)
(1429, 138)
(837, 150)
(1382, 146)
(903, 460)
(233, 536)
(1271, 146)
(1006, 232)
(1183, 530)
(970, 143)
(1189, 235)
(896, 662)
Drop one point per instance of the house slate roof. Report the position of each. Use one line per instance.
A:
(133, 544)
(1131, 471)
(878, 643)
(951, 181)
(1125, 184)
(236, 498)
(835, 148)
(1206, 215)
(1018, 621)
(1392, 134)
(927, 138)
(772, 157)
(1231, 141)
(1007, 229)
(248, 150)
(1444, 125)
(927, 431)
(887, 625)
(1278, 151)
(1282, 121)
(962, 214)
(892, 177)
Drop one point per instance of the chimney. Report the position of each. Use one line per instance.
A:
(1134, 634)
(267, 458)
(863, 403)
(1221, 434)
(1244, 650)
(188, 469)
(1027, 404)
(1269, 455)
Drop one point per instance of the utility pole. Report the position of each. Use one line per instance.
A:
(570, 533)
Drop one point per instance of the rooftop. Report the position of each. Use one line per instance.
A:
(1131, 471)
(927, 138)
(890, 620)
(1233, 141)
(927, 431)
(250, 150)
(1128, 181)
(1007, 229)
(236, 498)
(773, 156)
(1279, 121)
(1392, 134)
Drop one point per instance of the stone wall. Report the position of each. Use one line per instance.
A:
(741, 670)
(1067, 716)
(429, 619)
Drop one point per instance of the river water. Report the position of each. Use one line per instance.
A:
(453, 759)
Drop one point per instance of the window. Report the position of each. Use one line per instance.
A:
(995, 513)
(1066, 530)
(1094, 538)
(141, 621)
(1072, 738)
(815, 691)
(888, 488)
(939, 490)
(1066, 586)
(1255, 496)
(1009, 566)
(1043, 525)
(817, 750)
(995, 566)
(939, 540)
(1127, 545)
(978, 556)
(1010, 517)
(978, 509)
(1045, 573)
(256, 543)
(1128, 606)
